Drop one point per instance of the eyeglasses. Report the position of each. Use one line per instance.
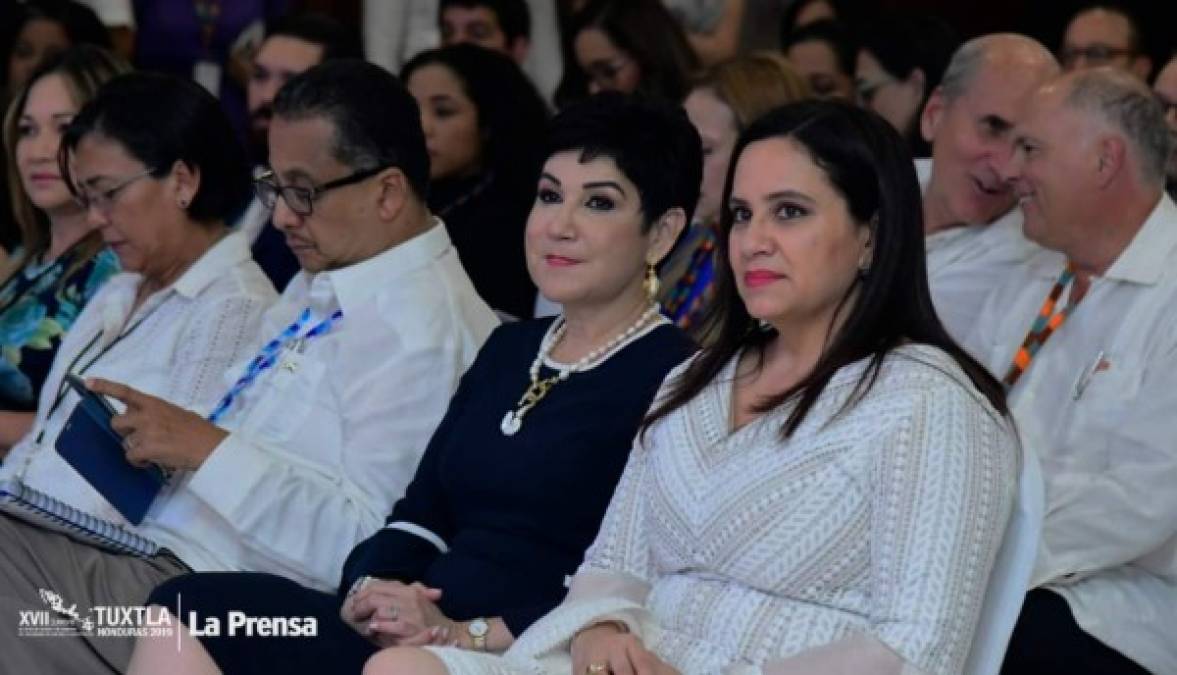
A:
(103, 200)
(301, 199)
(1096, 54)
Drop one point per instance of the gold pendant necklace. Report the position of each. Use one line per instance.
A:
(513, 420)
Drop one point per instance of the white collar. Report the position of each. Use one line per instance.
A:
(230, 251)
(353, 286)
(1151, 253)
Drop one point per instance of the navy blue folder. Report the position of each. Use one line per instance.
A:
(95, 451)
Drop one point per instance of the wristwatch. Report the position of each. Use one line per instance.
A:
(478, 628)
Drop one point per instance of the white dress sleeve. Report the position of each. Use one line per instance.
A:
(943, 490)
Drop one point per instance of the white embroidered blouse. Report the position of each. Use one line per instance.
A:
(863, 542)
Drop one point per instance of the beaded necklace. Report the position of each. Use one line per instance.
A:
(513, 420)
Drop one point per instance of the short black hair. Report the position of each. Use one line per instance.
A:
(337, 41)
(376, 121)
(650, 140)
(163, 119)
(513, 15)
(833, 33)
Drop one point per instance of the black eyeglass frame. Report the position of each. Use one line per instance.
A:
(267, 189)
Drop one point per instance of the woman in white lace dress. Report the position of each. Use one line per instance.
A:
(825, 489)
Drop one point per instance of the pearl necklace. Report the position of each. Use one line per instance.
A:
(513, 420)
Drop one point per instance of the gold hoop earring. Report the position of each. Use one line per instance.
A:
(650, 284)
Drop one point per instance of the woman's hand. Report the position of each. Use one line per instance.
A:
(391, 613)
(604, 648)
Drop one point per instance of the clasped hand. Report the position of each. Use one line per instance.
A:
(393, 614)
(157, 432)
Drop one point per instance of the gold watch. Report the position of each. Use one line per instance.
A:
(478, 629)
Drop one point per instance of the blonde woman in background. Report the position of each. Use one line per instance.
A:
(724, 100)
(61, 262)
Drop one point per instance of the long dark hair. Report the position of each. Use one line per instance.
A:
(84, 68)
(904, 42)
(868, 164)
(511, 113)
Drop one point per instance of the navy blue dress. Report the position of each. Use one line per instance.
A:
(515, 513)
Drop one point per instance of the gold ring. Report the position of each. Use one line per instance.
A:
(595, 668)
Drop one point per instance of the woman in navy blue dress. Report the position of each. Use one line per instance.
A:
(514, 483)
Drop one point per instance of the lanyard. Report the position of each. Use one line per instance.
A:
(269, 356)
(62, 388)
(1045, 324)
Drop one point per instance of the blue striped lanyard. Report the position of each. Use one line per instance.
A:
(269, 356)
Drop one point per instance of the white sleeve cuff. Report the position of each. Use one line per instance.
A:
(413, 528)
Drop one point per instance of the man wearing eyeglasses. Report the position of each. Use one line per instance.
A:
(1165, 89)
(294, 44)
(317, 436)
(1104, 36)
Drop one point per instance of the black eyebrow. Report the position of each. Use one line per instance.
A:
(997, 122)
(295, 174)
(550, 177)
(605, 183)
(790, 194)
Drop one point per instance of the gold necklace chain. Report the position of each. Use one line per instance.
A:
(539, 388)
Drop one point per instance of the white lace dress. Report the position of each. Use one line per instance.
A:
(861, 544)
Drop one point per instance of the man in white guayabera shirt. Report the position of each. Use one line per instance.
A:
(1085, 338)
(974, 232)
(317, 438)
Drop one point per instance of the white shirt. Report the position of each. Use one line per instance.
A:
(113, 13)
(966, 263)
(1099, 406)
(324, 443)
(176, 346)
(395, 32)
(545, 60)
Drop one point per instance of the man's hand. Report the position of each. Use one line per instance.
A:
(157, 432)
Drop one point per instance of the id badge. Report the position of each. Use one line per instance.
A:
(208, 75)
